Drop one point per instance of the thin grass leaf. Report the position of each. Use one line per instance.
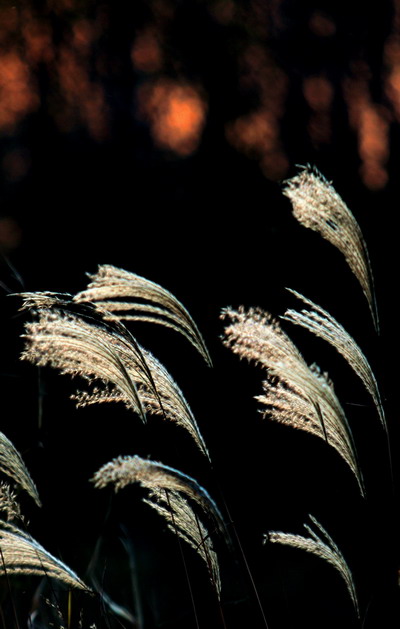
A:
(21, 554)
(294, 393)
(75, 339)
(326, 550)
(169, 491)
(317, 205)
(111, 287)
(13, 466)
(322, 324)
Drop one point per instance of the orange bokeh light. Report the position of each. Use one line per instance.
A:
(18, 95)
(322, 25)
(176, 112)
(258, 132)
(84, 97)
(318, 92)
(146, 52)
(38, 41)
(371, 123)
(373, 146)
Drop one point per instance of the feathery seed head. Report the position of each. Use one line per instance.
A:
(169, 492)
(122, 295)
(326, 550)
(21, 554)
(75, 339)
(295, 394)
(317, 206)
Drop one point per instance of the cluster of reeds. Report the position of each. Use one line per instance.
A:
(86, 335)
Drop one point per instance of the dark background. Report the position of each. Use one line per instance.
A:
(155, 136)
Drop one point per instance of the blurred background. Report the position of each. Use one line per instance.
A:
(155, 135)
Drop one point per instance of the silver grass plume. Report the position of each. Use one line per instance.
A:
(118, 291)
(21, 554)
(317, 205)
(294, 393)
(326, 550)
(84, 344)
(12, 465)
(322, 324)
(183, 521)
(164, 399)
(78, 346)
(9, 505)
(126, 470)
(169, 492)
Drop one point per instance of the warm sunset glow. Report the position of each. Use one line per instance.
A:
(392, 89)
(8, 22)
(373, 146)
(58, 58)
(146, 52)
(84, 97)
(322, 25)
(60, 6)
(258, 133)
(371, 123)
(38, 41)
(18, 96)
(83, 36)
(176, 112)
(254, 133)
(318, 92)
(392, 78)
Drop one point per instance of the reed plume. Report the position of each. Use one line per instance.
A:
(317, 205)
(294, 393)
(12, 465)
(126, 470)
(9, 505)
(122, 294)
(75, 339)
(169, 492)
(326, 550)
(183, 522)
(322, 324)
(21, 554)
